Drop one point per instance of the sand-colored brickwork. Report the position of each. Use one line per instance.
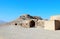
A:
(49, 25)
(57, 17)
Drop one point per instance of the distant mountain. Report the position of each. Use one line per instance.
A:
(1, 22)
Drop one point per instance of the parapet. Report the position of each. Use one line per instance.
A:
(57, 17)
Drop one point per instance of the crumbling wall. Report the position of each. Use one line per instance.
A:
(25, 23)
(40, 23)
(28, 23)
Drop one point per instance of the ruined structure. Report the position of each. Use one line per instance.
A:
(28, 21)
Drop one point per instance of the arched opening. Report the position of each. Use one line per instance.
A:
(32, 24)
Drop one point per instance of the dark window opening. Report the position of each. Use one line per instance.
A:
(15, 23)
(32, 24)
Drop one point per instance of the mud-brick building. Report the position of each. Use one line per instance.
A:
(28, 21)
(53, 23)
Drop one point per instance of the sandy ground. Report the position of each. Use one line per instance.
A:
(17, 32)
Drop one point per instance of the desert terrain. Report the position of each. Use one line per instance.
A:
(18, 32)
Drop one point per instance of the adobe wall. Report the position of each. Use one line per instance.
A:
(40, 23)
(23, 23)
(52, 25)
(49, 25)
(26, 23)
